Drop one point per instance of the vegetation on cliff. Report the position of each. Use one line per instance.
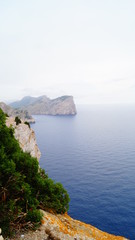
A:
(24, 186)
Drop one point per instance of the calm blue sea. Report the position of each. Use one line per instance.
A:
(93, 155)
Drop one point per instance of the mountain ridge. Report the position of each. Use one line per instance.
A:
(43, 105)
(25, 101)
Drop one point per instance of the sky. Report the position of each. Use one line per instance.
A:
(83, 48)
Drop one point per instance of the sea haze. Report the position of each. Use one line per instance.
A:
(93, 155)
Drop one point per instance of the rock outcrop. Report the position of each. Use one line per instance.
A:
(23, 114)
(43, 105)
(25, 136)
(1, 238)
(63, 227)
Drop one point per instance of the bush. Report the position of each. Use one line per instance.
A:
(17, 120)
(27, 123)
(24, 186)
(6, 115)
(34, 216)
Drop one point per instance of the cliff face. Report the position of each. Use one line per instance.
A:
(63, 106)
(26, 137)
(43, 105)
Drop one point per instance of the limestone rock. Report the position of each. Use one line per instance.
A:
(25, 136)
(63, 227)
(1, 238)
(43, 105)
(23, 114)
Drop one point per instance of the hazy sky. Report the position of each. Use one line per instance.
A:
(84, 48)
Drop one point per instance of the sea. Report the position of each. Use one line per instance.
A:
(93, 155)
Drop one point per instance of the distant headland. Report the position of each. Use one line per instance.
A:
(43, 105)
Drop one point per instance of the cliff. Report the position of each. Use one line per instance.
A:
(23, 114)
(43, 105)
(54, 226)
(25, 136)
(63, 227)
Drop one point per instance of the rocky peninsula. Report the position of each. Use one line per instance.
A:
(45, 106)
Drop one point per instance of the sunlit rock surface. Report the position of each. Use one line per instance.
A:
(63, 227)
(25, 136)
(1, 238)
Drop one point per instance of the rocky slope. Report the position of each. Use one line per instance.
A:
(63, 227)
(43, 105)
(23, 114)
(25, 136)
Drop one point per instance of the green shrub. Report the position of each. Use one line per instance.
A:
(24, 186)
(34, 215)
(6, 115)
(27, 123)
(17, 120)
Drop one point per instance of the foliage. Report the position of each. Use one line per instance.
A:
(6, 115)
(17, 120)
(24, 186)
(27, 123)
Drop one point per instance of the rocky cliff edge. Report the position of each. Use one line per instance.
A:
(63, 227)
(25, 136)
(54, 226)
